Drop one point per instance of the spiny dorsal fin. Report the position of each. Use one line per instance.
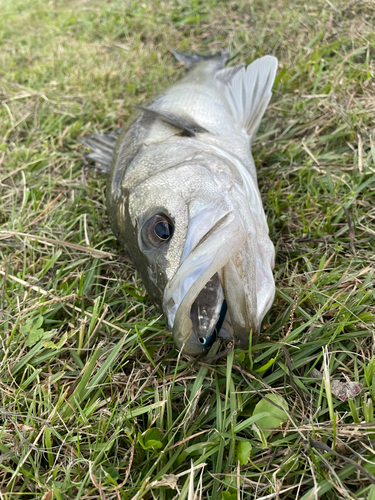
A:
(102, 147)
(185, 123)
(249, 92)
(190, 59)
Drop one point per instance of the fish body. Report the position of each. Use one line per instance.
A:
(183, 198)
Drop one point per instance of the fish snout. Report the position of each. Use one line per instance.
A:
(215, 284)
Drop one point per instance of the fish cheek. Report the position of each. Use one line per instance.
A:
(150, 274)
(153, 265)
(153, 274)
(127, 234)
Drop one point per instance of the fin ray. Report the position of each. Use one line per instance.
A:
(249, 92)
(102, 147)
(185, 123)
(225, 75)
(190, 59)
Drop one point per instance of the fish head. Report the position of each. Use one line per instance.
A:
(192, 236)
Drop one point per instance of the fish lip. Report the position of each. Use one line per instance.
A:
(211, 254)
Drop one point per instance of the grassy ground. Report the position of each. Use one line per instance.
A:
(95, 401)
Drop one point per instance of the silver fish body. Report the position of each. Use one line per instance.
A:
(183, 198)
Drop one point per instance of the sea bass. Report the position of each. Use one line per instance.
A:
(183, 199)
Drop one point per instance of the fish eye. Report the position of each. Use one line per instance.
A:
(157, 230)
(163, 230)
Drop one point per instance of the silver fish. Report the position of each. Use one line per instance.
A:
(183, 198)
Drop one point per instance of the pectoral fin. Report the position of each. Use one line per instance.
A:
(185, 123)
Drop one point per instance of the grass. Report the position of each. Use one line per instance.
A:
(95, 400)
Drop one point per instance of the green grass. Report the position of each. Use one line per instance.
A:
(95, 400)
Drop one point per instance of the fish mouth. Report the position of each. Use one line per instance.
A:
(208, 312)
(211, 277)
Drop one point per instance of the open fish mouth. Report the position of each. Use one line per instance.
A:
(209, 279)
(208, 312)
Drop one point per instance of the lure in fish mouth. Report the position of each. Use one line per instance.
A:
(183, 198)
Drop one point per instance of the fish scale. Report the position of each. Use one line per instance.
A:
(185, 162)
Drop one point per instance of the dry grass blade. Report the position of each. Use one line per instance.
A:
(43, 239)
(95, 401)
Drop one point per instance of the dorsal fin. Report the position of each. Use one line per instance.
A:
(249, 92)
(102, 147)
(185, 123)
(225, 75)
(190, 59)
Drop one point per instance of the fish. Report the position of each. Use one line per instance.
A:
(183, 199)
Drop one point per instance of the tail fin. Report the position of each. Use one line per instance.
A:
(249, 92)
(102, 147)
(190, 59)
